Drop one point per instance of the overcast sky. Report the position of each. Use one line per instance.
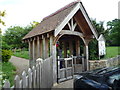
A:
(22, 12)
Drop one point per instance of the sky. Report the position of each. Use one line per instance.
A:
(23, 12)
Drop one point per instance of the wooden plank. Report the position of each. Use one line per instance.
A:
(27, 81)
(66, 20)
(29, 78)
(51, 44)
(86, 60)
(38, 47)
(30, 53)
(34, 76)
(65, 50)
(66, 69)
(38, 76)
(54, 68)
(71, 47)
(44, 48)
(72, 66)
(68, 32)
(33, 49)
(17, 81)
(24, 79)
(6, 85)
(21, 84)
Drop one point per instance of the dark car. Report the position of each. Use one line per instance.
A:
(99, 79)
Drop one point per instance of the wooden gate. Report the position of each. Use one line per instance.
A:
(68, 66)
(65, 69)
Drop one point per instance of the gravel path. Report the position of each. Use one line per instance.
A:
(20, 64)
(64, 85)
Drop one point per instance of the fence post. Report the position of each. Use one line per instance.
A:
(6, 85)
(29, 78)
(83, 63)
(72, 67)
(17, 82)
(38, 75)
(24, 79)
(34, 77)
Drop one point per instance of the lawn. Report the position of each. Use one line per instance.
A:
(9, 71)
(22, 54)
(112, 51)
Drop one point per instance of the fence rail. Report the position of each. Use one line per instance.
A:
(39, 76)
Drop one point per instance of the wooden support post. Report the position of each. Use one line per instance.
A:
(86, 52)
(77, 47)
(44, 47)
(65, 49)
(30, 52)
(54, 65)
(71, 47)
(38, 47)
(86, 60)
(33, 47)
(41, 47)
(51, 44)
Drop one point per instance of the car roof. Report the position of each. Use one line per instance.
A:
(105, 70)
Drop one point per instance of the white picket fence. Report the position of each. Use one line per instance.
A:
(39, 76)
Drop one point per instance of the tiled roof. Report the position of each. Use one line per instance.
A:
(50, 22)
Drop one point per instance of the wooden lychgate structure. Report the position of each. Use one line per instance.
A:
(63, 34)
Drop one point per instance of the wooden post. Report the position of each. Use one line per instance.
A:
(30, 53)
(44, 47)
(87, 56)
(41, 47)
(77, 47)
(71, 47)
(54, 65)
(51, 44)
(86, 52)
(33, 49)
(38, 47)
(65, 49)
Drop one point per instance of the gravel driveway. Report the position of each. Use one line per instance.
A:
(20, 64)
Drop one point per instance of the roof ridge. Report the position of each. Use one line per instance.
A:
(61, 9)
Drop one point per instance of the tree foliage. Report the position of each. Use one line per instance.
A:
(99, 26)
(14, 34)
(113, 30)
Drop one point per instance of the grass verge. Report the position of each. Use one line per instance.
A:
(22, 54)
(112, 51)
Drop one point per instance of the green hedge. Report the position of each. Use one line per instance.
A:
(6, 55)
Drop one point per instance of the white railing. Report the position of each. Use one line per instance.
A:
(39, 76)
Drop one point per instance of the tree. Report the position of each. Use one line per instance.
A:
(114, 32)
(93, 45)
(14, 34)
(98, 26)
(2, 14)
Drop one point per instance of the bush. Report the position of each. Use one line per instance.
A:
(6, 55)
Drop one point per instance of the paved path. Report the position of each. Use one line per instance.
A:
(20, 64)
(67, 84)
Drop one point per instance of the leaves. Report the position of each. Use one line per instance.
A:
(113, 32)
